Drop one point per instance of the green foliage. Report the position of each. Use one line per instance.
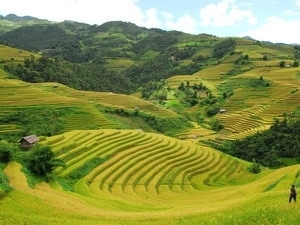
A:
(163, 40)
(7, 151)
(182, 53)
(188, 69)
(41, 161)
(151, 87)
(281, 140)
(242, 60)
(223, 48)
(130, 30)
(282, 63)
(168, 126)
(41, 121)
(4, 183)
(297, 52)
(189, 95)
(255, 167)
(216, 124)
(46, 69)
(156, 69)
(295, 64)
(37, 37)
(238, 69)
(212, 110)
(261, 82)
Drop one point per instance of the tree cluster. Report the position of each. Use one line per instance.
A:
(270, 147)
(88, 76)
(40, 160)
(42, 121)
(224, 47)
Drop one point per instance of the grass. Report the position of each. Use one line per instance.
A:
(8, 54)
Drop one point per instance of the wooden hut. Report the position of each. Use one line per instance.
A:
(28, 141)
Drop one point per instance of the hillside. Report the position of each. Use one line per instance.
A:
(236, 73)
(133, 177)
(145, 157)
(12, 21)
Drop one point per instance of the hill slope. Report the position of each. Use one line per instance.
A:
(150, 179)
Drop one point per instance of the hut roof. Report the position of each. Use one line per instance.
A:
(30, 139)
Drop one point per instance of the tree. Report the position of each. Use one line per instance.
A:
(282, 64)
(42, 161)
(6, 151)
(246, 57)
(295, 64)
(216, 124)
(255, 167)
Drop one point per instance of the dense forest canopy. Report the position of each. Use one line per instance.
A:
(270, 147)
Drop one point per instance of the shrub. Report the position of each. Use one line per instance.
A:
(6, 151)
(255, 167)
(42, 161)
(282, 64)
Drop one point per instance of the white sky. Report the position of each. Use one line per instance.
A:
(275, 20)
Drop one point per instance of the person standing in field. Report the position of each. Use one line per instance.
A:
(293, 194)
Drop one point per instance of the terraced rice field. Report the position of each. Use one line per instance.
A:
(251, 110)
(149, 179)
(16, 94)
(111, 99)
(145, 164)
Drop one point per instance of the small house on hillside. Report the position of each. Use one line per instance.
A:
(28, 141)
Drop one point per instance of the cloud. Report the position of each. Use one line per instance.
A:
(291, 12)
(225, 13)
(297, 3)
(151, 19)
(184, 23)
(277, 30)
(87, 11)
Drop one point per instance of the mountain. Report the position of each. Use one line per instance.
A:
(15, 18)
(12, 21)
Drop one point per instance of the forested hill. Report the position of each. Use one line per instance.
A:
(119, 56)
(116, 56)
(12, 21)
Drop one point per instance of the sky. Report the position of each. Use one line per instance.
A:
(274, 20)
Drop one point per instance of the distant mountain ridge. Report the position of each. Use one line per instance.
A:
(123, 51)
(15, 18)
(12, 21)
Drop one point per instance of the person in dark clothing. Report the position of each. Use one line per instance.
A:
(293, 194)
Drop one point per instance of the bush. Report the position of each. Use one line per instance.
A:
(282, 64)
(6, 152)
(255, 167)
(216, 125)
(42, 161)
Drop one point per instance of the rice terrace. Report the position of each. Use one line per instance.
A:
(128, 159)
